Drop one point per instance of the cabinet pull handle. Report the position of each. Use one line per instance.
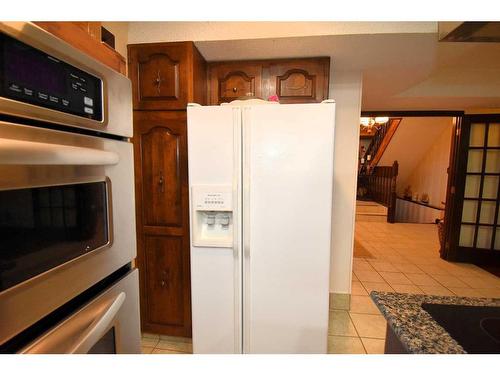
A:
(161, 182)
(158, 82)
(164, 280)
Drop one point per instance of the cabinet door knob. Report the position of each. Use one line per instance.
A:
(235, 89)
(158, 80)
(161, 182)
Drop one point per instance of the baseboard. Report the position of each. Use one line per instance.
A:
(340, 301)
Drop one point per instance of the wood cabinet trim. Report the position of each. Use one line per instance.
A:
(87, 40)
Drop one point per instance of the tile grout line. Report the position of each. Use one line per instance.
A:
(357, 333)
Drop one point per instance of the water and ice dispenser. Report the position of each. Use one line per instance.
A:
(212, 212)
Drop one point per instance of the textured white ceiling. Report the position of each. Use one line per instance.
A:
(400, 71)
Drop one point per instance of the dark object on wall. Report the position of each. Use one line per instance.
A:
(107, 37)
(472, 31)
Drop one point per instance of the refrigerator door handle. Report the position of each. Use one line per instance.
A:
(246, 133)
(237, 230)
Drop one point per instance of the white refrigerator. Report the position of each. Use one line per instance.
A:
(260, 178)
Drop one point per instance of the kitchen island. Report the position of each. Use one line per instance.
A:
(412, 323)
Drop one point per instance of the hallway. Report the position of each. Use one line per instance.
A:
(398, 258)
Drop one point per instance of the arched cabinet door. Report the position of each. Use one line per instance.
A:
(162, 215)
(230, 81)
(292, 80)
(160, 75)
(300, 81)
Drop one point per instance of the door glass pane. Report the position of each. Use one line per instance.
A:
(477, 135)
(469, 211)
(467, 235)
(492, 161)
(484, 237)
(475, 161)
(487, 212)
(472, 184)
(490, 187)
(494, 135)
(497, 239)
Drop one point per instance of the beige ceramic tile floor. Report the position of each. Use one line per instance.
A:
(160, 344)
(405, 259)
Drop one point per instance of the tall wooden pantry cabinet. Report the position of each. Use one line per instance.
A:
(165, 77)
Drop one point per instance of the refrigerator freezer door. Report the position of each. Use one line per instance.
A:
(287, 203)
(214, 138)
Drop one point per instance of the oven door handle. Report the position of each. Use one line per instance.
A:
(99, 327)
(18, 152)
(68, 337)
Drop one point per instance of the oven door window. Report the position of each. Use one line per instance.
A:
(44, 227)
(106, 345)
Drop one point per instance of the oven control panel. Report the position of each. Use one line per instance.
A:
(32, 76)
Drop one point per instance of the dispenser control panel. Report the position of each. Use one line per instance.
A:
(212, 215)
(210, 198)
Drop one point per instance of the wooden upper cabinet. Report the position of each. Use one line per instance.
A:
(229, 81)
(86, 36)
(293, 80)
(300, 81)
(166, 76)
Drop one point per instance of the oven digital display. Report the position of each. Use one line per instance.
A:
(32, 76)
(29, 69)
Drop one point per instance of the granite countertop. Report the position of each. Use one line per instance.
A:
(415, 328)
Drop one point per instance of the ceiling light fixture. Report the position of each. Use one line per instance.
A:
(369, 123)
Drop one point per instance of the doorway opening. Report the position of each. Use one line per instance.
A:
(406, 205)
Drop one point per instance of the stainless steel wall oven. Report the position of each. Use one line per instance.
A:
(67, 222)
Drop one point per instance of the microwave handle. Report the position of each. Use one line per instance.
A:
(68, 337)
(18, 152)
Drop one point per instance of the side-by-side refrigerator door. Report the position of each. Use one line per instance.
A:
(287, 203)
(214, 154)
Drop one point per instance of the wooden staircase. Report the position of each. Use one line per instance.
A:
(380, 182)
(370, 211)
(380, 142)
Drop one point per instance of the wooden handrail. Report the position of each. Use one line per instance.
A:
(380, 142)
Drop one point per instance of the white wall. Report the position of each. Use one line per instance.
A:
(430, 174)
(411, 142)
(345, 89)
